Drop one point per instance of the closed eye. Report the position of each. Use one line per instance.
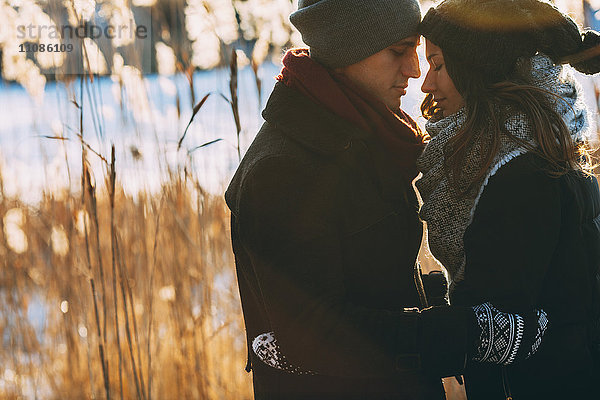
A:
(438, 67)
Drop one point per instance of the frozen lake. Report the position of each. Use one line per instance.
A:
(145, 136)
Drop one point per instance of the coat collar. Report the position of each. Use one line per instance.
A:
(306, 122)
(325, 133)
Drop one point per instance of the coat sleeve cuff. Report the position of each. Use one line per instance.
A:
(446, 339)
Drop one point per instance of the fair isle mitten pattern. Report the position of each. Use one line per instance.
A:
(267, 349)
(542, 320)
(501, 335)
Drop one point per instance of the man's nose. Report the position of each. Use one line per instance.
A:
(411, 68)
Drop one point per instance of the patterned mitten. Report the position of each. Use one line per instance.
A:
(267, 349)
(506, 337)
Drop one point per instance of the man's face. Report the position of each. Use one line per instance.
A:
(385, 74)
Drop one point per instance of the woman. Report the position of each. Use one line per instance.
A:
(512, 212)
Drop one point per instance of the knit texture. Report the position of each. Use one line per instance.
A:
(267, 349)
(502, 335)
(542, 322)
(447, 214)
(343, 32)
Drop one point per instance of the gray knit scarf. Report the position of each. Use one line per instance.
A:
(447, 214)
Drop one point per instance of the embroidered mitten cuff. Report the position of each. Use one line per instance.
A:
(505, 337)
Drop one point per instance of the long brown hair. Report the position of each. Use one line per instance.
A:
(487, 109)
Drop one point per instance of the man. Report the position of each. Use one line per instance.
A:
(324, 220)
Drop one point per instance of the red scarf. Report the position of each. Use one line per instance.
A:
(396, 131)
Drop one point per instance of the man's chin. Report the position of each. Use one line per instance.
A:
(394, 106)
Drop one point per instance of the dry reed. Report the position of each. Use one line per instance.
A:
(167, 250)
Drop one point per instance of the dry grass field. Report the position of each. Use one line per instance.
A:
(137, 297)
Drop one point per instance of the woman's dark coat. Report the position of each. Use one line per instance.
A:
(326, 234)
(535, 243)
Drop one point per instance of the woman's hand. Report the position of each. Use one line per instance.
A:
(505, 338)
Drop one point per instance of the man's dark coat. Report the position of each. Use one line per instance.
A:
(325, 233)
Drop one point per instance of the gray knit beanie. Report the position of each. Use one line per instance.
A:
(343, 32)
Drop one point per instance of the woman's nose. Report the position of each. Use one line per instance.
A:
(428, 85)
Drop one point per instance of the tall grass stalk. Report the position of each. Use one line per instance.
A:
(87, 192)
(233, 92)
(101, 338)
(137, 378)
(113, 252)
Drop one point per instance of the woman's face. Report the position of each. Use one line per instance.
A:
(438, 82)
